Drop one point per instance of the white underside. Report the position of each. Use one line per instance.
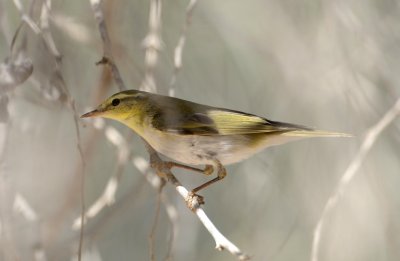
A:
(197, 150)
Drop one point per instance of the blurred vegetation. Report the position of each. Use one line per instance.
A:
(326, 64)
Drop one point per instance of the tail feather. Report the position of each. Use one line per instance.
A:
(315, 133)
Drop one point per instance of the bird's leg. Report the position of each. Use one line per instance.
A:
(192, 198)
(163, 170)
(221, 173)
(208, 170)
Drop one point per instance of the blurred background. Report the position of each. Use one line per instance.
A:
(332, 65)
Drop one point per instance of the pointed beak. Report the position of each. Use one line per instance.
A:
(91, 114)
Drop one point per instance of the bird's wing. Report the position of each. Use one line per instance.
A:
(188, 118)
(210, 121)
(229, 122)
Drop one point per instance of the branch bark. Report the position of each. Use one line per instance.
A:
(108, 57)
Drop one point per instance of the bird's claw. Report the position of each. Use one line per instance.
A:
(194, 201)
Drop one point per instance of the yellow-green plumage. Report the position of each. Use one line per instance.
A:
(196, 134)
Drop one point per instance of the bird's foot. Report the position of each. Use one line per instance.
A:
(194, 201)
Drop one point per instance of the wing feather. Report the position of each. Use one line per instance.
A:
(187, 118)
(230, 122)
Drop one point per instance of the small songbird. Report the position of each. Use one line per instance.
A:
(197, 134)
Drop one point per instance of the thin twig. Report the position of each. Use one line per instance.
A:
(155, 181)
(4, 26)
(351, 171)
(180, 45)
(155, 222)
(108, 57)
(22, 207)
(83, 206)
(26, 18)
(173, 218)
(108, 196)
(48, 39)
(193, 203)
(43, 30)
(152, 44)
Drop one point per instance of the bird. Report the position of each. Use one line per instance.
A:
(190, 133)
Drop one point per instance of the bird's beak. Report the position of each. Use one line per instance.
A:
(91, 114)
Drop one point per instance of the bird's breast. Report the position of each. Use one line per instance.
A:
(198, 149)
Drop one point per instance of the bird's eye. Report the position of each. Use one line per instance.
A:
(115, 102)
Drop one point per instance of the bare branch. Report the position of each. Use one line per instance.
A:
(4, 26)
(193, 203)
(351, 171)
(163, 170)
(22, 70)
(108, 196)
(14, 72)
(155, 222)
(22, 206)
(108, 57)
(106, 199)
(45, 29)
(59, 82)
(26, 18)
(152, 44)
(181, 44)
(173, 218)
(16, 69)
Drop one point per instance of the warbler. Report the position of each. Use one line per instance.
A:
(197, 134)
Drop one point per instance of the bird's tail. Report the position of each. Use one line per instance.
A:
(315, 133)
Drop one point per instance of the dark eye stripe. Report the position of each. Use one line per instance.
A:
(134, 98)
(115, 102)
(127, 99)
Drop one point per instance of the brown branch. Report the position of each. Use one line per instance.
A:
(108, 57)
